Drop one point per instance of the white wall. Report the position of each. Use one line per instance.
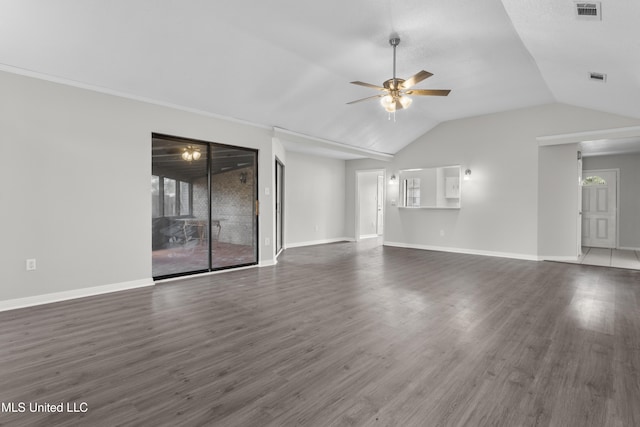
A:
(629, 188)
(314, 197)
(558, 202)
(500, 210)
(75, 166)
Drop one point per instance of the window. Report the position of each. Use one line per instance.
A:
(170, 197)
(185, 198)
(412, 192)
(155, 196)
(594, 180)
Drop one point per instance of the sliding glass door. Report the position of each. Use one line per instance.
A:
(203, 206)
(233, 206)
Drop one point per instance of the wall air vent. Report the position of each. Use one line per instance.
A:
(588, 11)
(598, 77)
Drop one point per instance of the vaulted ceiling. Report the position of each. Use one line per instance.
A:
(288, 63)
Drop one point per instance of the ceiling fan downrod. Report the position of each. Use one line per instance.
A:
(394, 41)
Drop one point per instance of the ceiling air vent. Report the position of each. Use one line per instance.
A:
(588, 11)
(598, 77)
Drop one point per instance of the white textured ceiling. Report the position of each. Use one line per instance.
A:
(288, 63)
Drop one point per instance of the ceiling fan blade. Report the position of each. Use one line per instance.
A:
(428, 92)
(415, 79)
(368, 85)
(364, 99)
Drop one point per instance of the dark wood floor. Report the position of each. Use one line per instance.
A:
(340, 334)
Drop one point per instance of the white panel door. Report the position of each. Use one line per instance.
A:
(599, 208)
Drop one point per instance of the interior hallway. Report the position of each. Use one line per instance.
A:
(607, 257)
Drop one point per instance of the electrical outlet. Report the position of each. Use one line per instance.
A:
(267, 241)
(31, 264)
(441, 233)
(316, 228)
(267, 191)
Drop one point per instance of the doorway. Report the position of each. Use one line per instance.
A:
(369, 221)
(600, 208)
(203, 206)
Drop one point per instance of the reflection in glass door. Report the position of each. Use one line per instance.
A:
(203, 210)
(234, 222)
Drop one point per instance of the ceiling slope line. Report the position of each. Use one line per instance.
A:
(282, 133)
(530, 55)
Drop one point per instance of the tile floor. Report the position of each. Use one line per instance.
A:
(610, 258)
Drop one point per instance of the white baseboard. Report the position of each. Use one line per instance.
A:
(369, 236)
(559, 258)
(463, 251)
(268, 263)
(318, 242)
(13, 304)
(629, 249)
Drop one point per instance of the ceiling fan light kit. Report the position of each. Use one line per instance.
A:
(395, 91)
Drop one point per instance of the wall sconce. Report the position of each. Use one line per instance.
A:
(467, 175)
(190, 153)
(243, 177)
(393, 179)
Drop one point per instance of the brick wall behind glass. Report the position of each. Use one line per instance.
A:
(232, 204)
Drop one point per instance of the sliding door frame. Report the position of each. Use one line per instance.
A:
(279, 205)
(256, 234)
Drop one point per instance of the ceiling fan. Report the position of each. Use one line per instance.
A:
(394, 91)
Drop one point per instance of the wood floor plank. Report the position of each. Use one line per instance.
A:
(339, 335)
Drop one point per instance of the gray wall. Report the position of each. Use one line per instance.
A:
(500, 211)
(314, 197)
(558, 201)
(76, 166)
(629, 188)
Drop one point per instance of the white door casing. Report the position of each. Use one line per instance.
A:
(599, 208)
(367, 215)
(579, 221)
(380, 203)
